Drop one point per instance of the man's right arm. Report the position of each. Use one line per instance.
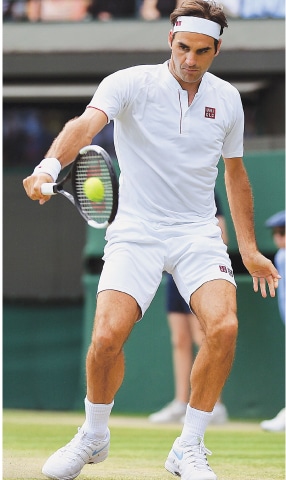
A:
(77, 133)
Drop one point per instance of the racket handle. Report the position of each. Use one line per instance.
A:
(48, 189)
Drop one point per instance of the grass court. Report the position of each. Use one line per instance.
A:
(241, 450)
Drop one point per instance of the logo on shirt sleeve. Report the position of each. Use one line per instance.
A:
(209, 112)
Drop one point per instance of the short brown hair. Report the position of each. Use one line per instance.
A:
(207, 9)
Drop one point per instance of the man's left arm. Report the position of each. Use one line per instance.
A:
(239, 194)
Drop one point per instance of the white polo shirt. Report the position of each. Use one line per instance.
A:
(167, 150)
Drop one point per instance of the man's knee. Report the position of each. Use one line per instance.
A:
(104, 344)
(106, 340)
(223, 332)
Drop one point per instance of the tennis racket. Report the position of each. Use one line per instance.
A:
(92, 161)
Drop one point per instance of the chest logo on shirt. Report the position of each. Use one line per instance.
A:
(209, 112)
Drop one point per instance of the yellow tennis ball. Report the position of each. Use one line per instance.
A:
(94, 189)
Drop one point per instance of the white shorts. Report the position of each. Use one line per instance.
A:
(137, 253)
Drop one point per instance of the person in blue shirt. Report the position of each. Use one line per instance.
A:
(277, 224)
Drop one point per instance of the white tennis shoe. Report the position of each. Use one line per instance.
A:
(67, 462)
(190, 461)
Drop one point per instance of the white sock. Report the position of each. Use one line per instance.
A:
(195, 425)
(96, 418)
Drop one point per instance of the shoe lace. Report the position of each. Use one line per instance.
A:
(79, 445)
(197, 455)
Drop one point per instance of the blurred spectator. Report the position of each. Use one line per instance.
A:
(105, 10)
(14, 10)
(231, 7)
(262, 8)
(277, 225)
(79, 10)
(154, 9)
(26, 136)
(57, 10)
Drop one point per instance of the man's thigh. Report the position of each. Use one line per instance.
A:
(116, 314)
(133, 263)
(214, 304)
(199, 256)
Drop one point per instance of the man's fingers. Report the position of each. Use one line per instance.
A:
(261, 282)
(263, 287)
(44, 200)
(32, 185)
(255, 284)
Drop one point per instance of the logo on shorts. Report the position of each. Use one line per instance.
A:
(209, 112)
(225, 269)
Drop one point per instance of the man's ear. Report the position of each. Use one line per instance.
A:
(218, 47)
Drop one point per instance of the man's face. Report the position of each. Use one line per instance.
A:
(192, 55)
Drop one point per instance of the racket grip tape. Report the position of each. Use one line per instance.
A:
(48, 189)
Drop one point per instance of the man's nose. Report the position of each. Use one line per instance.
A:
(190, 59)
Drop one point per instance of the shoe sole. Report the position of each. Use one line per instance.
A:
(53, 477)
(97, 459)
(171, 468)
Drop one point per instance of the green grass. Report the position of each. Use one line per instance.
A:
(241, 451)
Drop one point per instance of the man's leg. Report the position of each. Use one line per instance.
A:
(115, 316)
(214, 303)
(220, 415)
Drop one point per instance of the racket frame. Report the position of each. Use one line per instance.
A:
(54, 188)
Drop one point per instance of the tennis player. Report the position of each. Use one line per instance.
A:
(173, 122)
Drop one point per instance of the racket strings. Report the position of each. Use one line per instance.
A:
(92, 164)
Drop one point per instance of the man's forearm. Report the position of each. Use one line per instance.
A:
(77, 133)
(240, 200)
(70, 140)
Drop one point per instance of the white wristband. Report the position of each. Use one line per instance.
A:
(51, 166)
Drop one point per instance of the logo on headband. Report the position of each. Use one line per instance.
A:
(209, 112)
(197, 25)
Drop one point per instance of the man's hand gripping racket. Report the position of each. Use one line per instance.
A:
(94, 186)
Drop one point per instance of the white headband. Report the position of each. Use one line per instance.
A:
(197, 25)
